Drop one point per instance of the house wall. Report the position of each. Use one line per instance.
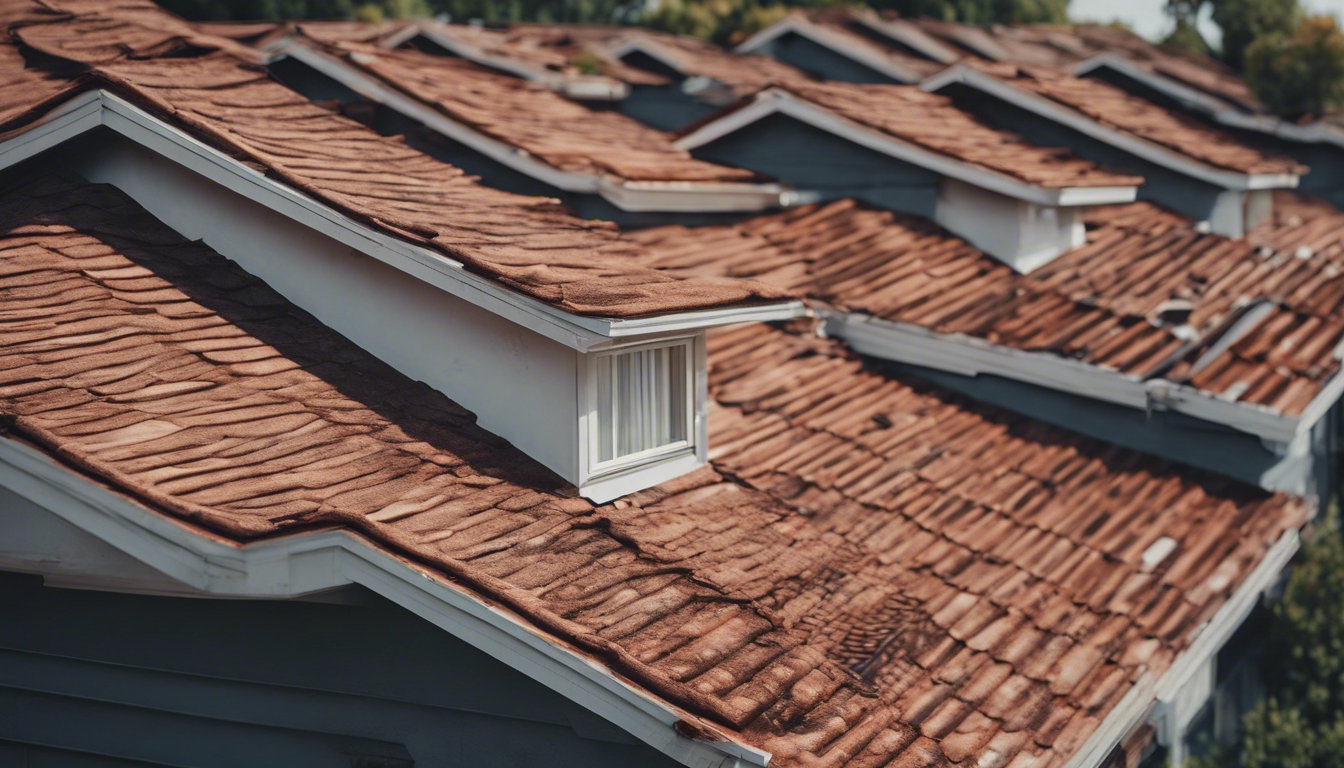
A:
(665, 107)
(102, 679)
(819, 61)
(1305, 467)
(521, 385)
(816, 161)
(1167, 188)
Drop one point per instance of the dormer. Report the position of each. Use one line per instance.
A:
(1189, 167)
(902, 149)
(833, 52)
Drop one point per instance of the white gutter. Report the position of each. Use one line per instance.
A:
(970, 356)
(100, 108)
(829, 40)
(305, 563)
(777, 101)
(1134, 708)
(1141, 148)
(625, 195)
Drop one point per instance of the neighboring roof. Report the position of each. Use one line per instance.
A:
(1122, 301)
(937, 124)
(1117, 109)
(99, 30)
(245, 32)
(888, 573)
(530, 245)
(545, 124)
(893, 47)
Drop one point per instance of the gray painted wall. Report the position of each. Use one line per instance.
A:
(96, 678)
(812, 159)
(819, 61)
(1164, 187)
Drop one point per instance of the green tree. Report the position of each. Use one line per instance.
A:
(1301, 73)
(1245, 21)
(1302, 724)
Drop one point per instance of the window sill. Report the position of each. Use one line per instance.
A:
(616, 482)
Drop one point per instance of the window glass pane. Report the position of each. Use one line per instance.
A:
(641, 400)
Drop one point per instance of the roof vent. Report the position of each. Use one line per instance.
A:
(1304, 252)
(1175, 311)
(1158, 551)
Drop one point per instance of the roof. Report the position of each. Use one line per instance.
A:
(530, 245)
(1119, 110)
(98, 30)
(873, 573)
(937, 124)
(545, 124)
(1115, 302)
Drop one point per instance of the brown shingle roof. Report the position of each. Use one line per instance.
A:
(935, 123)
(545, 124)
(1104, 303)
(528, 244)
(893, 576)
(1119, 110)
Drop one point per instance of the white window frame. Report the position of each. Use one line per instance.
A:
(689, 449)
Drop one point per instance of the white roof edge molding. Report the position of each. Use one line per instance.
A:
(908, 34)
(1071, 118)
(97, 108)
(1138, 704)
(967, 356)
(1221, 111)
(827, 39)
(777, 101)
(302, 564)
(624, 194)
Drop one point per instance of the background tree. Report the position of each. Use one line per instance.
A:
(1185, 36)
(1244, 21)
(1299, 74)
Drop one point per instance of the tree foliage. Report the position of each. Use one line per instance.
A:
(1245, 21)
(1302, 724)
(1301, 73)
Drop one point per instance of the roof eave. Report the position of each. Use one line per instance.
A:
(830, 41)
(1071, 118)
(315, 561)
(775, 100)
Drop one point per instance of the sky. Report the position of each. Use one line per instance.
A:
(1146, 17)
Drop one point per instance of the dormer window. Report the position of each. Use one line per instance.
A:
(642, 407)
(643, 403)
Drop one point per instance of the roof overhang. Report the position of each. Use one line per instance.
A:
(819, 35)
(1126, 142)
(630, 44)
(777, 101)
(909, 35)
(100, 108)
(624, 194)
(316, 561)
(969, 356)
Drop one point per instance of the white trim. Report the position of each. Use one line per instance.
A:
(1139, 701)
(828, 39)
(94, 108)
(306, 563)
(624, 194)
(777, 101)
(1141, 148)
(970, 356)
(600, 481)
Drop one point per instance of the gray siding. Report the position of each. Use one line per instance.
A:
(188, 682)
(665, 107)
(813, 160)
(819, 61)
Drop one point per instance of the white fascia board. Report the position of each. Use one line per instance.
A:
(1134, 707)
(832, 42)
(775, 101)
(302, 564)
(625, 195)
(595, 89)
(1067, 116)
(708, 318)
(512, 66)
(969, 356)
(100, 108)
(1183, 93)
